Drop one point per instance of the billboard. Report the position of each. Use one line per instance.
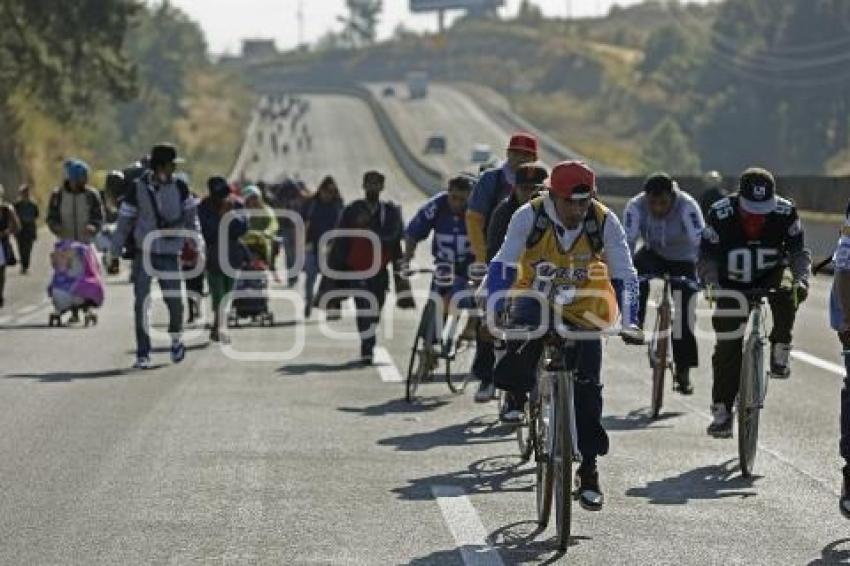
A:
(433, 5)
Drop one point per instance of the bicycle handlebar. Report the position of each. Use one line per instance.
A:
(691, 282)
(762, 293)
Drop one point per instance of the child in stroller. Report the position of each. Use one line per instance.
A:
(253, 281)
(77, 282)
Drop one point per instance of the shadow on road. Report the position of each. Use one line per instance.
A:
(520, 543)
(398, 407)
(832, 554)
(319, 367)
(639, 419)
(167, 349)
(34, 326)
(67, 376)
(709, 482)
(481, 430)
(497, 474)
(440, 558)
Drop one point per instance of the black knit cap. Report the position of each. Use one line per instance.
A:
(659, 184)
(531, 174)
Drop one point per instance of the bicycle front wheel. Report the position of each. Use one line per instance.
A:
(460, 355)
(749, 408)
(661, 344)
(544, 428)
(563, 461)
(419, 365)
(525, 435)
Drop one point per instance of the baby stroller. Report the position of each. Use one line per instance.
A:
(255, 306)
(77, 282)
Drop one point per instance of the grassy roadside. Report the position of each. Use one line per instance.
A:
(209, 131)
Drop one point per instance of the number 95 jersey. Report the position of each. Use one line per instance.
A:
(744, 261)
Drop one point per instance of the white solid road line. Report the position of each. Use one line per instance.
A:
(386, 366)
(465, 526)
(819, 363)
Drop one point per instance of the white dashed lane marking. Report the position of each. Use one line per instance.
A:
(466, 527)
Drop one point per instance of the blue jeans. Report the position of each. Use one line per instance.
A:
(171, 288)
(516, 372)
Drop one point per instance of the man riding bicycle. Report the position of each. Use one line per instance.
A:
(529, 179)
(584, 245)
(670, 223)
(751, 239)
(444, 215)
(840, 320)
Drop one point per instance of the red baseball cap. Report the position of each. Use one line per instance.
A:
(572, 180)
(523, 142)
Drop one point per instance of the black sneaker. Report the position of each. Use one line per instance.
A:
(780, 361)
(844, 502)
(513, 410)
(367, 358)
(682, 382)
(721, 425)
(588, 492)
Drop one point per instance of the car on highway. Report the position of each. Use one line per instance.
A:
(436, 144)
(481, 153)
(389, 91)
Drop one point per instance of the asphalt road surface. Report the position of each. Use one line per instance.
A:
(311, 459)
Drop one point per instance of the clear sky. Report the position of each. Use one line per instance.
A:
(226, 22)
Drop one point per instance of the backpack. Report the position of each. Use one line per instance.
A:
(592, 227)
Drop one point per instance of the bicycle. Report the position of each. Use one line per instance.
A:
(753, 388)
(660, 350)
(452, 345)
(551, 421)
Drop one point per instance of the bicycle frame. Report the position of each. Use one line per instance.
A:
(665, 334)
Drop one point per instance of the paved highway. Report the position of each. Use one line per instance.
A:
(451, 113)
(312, 459)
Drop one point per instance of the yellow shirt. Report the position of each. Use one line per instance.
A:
(581, 276)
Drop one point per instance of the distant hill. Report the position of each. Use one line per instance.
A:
(653, 85)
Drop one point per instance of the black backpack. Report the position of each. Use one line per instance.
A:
(592, 227)
(131, 175)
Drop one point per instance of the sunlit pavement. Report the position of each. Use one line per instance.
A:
(315, 459)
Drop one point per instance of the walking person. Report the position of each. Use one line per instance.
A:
(321, 214)
(9, 226)
(76, 210)
(157, 201)
(75, 214)
(211, 212)
(27, 211)
(358, 255)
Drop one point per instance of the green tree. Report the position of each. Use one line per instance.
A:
(667, 148)
(664, 44)
(361, 25)
(529, 13)
(62, 57)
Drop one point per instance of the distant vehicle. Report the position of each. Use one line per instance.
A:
(481, 153)
(436, 144)
(417, 84)
(389, 91)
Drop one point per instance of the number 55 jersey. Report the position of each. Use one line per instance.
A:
(740, 250)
